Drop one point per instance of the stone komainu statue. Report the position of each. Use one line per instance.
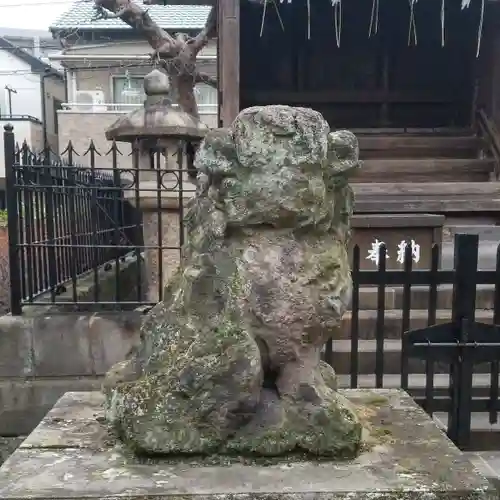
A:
(229, 362)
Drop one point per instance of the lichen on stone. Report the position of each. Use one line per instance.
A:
(230, 362)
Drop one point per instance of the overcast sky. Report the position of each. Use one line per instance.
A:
(31, 14)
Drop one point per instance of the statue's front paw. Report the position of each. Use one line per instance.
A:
(326, 428)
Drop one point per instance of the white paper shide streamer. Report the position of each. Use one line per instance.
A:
(374, 18)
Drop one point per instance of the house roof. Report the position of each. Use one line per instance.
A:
(37, 65)
(169, 17)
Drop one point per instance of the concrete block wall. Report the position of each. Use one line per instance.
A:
(42, 357)
(50, 350)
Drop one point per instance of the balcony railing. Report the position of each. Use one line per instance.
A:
(78, 107)
(19, 118)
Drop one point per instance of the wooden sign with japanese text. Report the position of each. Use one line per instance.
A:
(395, 232)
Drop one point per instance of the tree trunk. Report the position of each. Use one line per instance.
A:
(176, 55)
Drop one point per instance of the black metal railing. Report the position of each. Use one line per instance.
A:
(64, 221)
(448, 361)
(3, 199)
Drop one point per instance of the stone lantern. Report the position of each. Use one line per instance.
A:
(160, 134)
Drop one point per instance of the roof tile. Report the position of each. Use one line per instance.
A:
(170, 17)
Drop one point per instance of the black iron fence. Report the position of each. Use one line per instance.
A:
(460, 356)
(3, 199)
(71, 216)
(67, 221)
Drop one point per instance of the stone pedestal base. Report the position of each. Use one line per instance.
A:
(70, 455)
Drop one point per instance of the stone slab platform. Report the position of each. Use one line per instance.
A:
(71, 456)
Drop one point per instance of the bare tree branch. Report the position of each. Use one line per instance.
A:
(176, 55)
(102, 13)
(201, 77)
(209, 30)
(138, 19)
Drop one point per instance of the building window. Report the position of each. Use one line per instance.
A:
(128, 90)
(206, 97)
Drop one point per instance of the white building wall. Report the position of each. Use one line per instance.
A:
(24, 130)
(17, 74)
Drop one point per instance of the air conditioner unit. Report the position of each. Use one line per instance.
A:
(90, 100)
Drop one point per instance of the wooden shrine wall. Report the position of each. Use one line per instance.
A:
(367, 81)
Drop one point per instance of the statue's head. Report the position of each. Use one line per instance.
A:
(276, 165)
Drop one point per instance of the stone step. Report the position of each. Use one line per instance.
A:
(451, 198)
(417, 146)
(487, 462)
(479, 421)
(484, 436)
(391, 359)
(414, 131)
(487, 255)
(486, 232)
(416, 383)
(419, 298)
(392, 328)
(425, 170)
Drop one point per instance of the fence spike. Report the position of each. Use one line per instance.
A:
(47, 153)
(66, 149)
(114, 149)
(70, 150)
(92, 149)
(28, 157)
